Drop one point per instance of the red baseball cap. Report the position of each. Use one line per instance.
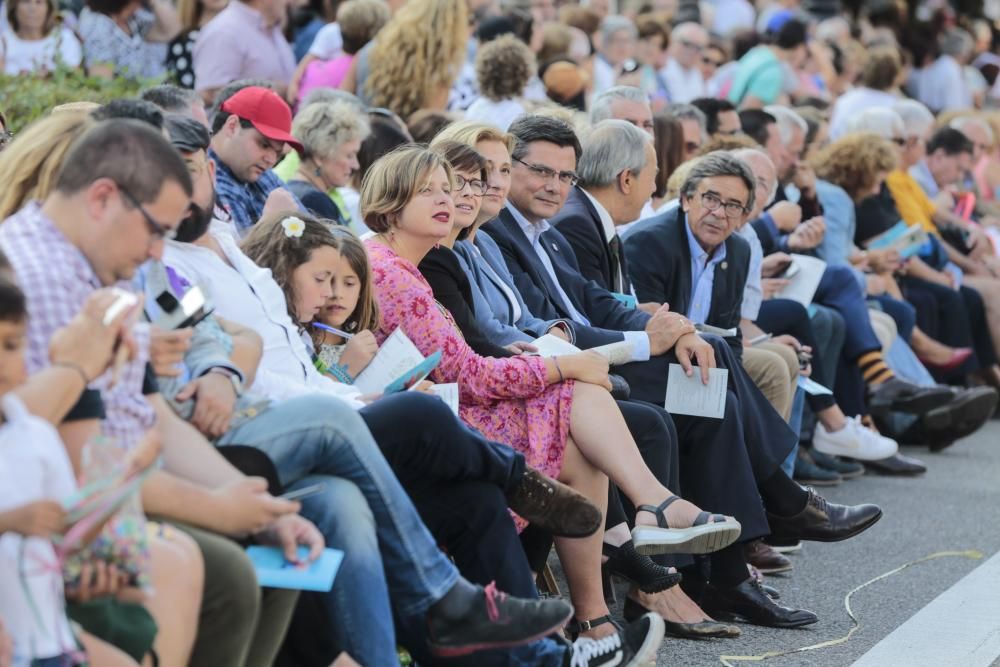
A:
(266, 111)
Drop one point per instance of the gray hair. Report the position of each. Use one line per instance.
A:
(883, 121)
(749, 154)
(834, 30)
(720, 163)
(963, 122)
(612, 147)
(788, 122)
(690, 112)
(615, 23)
(600, 107)
(687, 28)
(331, 95)
(916, 118)
(957, 43)
(324, 127)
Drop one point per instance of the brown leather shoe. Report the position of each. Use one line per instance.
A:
(765, 558)
(554, 507)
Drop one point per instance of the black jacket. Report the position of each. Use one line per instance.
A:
(579, 222)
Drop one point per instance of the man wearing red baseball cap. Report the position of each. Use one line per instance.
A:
(250, 135)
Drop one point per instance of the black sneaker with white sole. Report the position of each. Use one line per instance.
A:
(634, 645)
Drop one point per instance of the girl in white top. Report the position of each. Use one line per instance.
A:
(37, 42)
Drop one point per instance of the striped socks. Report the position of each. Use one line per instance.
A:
(873, 368)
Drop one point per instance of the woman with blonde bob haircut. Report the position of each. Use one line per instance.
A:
(557, 411)
(28, 167)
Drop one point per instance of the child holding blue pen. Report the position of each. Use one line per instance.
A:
(342, 331)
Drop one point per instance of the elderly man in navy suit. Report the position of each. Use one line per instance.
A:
(730, 457)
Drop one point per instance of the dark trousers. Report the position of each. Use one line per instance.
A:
(436, 446)
(840, 290)
(745, 447)
(954, 317)
(901, 312)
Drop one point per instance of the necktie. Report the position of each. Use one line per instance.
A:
(615, 248)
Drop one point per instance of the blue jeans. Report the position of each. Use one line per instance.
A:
(362, 511)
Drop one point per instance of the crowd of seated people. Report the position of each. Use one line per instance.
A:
(813, 217)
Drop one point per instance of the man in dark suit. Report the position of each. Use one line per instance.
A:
(689, 257)
(604, 200)
(745, 447)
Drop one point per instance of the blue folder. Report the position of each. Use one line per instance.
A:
(273, 571)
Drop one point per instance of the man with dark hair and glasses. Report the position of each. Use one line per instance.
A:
(544, 270)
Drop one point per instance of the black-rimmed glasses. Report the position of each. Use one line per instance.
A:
(565, 177)
(712, 202)
(479, 187)
(157, 230)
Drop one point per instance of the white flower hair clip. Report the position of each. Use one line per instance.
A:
(293, 227)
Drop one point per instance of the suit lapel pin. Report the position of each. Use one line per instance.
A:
(724, 265)
(555, 247)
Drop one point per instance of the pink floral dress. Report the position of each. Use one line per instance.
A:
(507, 400)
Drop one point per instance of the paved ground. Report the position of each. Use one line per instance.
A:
(955, 506)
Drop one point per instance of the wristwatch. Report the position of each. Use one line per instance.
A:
(234, 378)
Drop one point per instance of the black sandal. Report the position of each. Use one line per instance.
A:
(628, 564)
(575, 627)
(709, 533)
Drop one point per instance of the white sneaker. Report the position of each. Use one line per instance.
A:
(854, 441)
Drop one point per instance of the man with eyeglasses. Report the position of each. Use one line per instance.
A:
(251, 132)
(545, 272)
(682, 72)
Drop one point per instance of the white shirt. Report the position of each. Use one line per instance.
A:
(731, 16)
(248, 295)
(639, 339)
(683, 85)
(854, 102)
(33, 466)
(22, 56)
(941, 85)
(501, 114)
(328, 42)
(605, 76)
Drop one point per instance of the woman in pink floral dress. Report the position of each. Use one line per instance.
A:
(557, 411)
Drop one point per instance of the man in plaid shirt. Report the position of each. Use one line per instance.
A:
(121, 192)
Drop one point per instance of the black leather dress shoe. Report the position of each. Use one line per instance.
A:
(749, 602)
(902, 396)
(823, 521)
(963, 416)
(897, 465)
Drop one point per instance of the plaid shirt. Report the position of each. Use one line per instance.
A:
(57, 280)
(244, 202)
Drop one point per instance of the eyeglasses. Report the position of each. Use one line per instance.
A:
(899, 141)
(478, 186)
(157, 230)
(691, 45)
(710, 61)
(565, 177)
(734, 211)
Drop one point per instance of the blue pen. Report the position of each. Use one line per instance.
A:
(342, 334)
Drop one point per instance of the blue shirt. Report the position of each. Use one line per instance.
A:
(921, 173)
(244, 201)
(702, 279)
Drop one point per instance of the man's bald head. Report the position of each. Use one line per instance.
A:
(765, 175)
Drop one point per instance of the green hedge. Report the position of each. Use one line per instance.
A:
(26, 98)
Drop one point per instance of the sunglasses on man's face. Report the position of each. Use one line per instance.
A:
(710, 61)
